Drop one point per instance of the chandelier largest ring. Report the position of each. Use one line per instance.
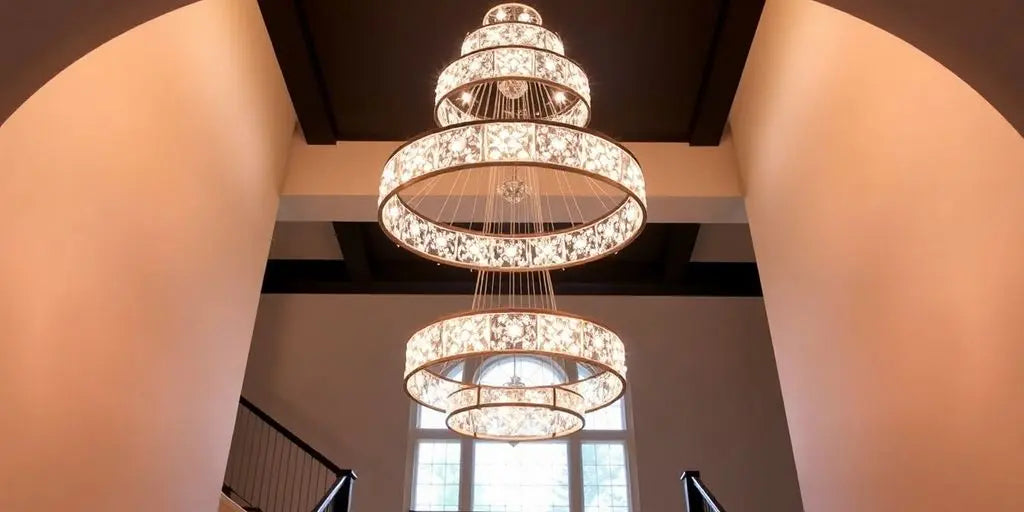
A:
(529, 144)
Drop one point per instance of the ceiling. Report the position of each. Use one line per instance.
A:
(666, 259)
(980, 41)
(660, 70)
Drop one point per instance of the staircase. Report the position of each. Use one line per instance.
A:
(271, 470)
(698, 497)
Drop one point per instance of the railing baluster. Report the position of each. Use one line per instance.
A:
(249, 484)
(271, 469)
(281, 472)
(294, 497)
(307, 473)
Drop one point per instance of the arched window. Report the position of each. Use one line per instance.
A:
(587, 472)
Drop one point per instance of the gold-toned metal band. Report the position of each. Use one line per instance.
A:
(512, 33)
(484, 145)
(537, 332)
(505, 63)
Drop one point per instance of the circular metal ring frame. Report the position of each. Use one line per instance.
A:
(514, 33)
(504, 63)
(513, 9)
(501, 143)
(465, 421)
(483, 334)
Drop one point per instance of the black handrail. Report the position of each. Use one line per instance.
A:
(698, 497)
(339, 499)
(270, 469)
(291, 436)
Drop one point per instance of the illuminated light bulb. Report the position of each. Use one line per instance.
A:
(524, 17)
(467, 98)
(500, 15)
(559, 97)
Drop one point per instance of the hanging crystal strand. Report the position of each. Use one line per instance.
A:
(537, 212)
(491, 230)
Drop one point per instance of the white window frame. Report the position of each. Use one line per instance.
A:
(575, 453)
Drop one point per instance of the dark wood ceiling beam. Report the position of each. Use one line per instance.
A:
(291, 38)
(679, 250)
(352, 242)
(606, 277)
(737, 22)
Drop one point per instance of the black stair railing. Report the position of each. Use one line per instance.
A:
(271, 470)
(698, 497)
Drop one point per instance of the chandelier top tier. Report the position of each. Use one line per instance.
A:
(513, 12)
(512, 67)
(512, 115)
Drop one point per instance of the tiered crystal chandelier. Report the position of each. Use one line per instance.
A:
(513, 185)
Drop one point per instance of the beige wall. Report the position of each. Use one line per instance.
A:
(703, 384)
(226, 505)
(138, 190)
(886, 201)
(684, 183)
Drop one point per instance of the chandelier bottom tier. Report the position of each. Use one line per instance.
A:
(515, 373)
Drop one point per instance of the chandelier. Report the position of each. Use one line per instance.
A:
(513, 185)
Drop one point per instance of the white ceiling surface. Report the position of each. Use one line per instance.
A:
(340, 182)
(316, 241)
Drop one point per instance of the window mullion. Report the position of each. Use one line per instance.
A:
(468, 449)
(575, 476)
(466, 475)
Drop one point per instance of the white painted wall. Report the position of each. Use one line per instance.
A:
(138, 190)
(704, 390)
(886, 201)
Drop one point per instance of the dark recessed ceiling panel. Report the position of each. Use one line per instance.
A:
(658, 262)
(660, 70)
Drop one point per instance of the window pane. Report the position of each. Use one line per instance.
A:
(605, 488)
(436, 482)
(430, 419)
(530, 370)
(527, 477)
(609, 418)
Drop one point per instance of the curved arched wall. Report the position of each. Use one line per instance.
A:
(980, 41)
(884, 197)
(138, 191)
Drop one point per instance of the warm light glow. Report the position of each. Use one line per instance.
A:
(531, 410)
(549, 71)
(485, 144)
(512, 12)
(513, 34)
(512, 112)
